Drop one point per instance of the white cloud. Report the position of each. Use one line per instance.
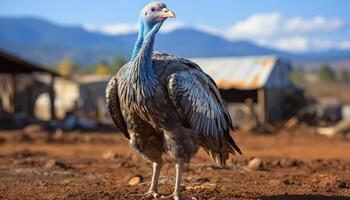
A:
(171, 26)
(112, 29)
(317, 24)
(208, 29)
(256, 25)
(301, 44)
(297, 43)
(264, 28)
(344, 44)
(323, 44)
(319, 44)
(271, 24)
(262, 41)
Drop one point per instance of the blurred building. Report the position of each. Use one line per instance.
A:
(29, 91)
(264, 81)
(92, 101)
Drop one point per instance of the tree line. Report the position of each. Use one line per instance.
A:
(67, 67)
(324, 74)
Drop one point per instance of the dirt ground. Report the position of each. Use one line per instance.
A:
(295, 164)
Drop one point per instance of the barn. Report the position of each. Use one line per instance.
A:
(264, 80)
(30, 91)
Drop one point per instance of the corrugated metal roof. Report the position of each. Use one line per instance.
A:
(244, 73)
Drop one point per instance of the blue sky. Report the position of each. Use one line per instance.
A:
(296, 25)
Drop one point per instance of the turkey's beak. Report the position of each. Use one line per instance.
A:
(167, 13)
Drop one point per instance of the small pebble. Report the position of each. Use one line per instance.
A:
(135, 180)
(255, 164)
(109, 155)
(54, 163)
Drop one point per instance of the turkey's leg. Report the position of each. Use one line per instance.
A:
(176, 195)
(153, 190)
(178, 180)
(155, 177)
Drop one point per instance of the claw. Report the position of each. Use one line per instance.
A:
(147, 195)
(177, 196)
(172, 196)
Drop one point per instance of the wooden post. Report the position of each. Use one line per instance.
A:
(30, 101)
(101, 113)
(13, 109)
(262, 105)
(52, 98)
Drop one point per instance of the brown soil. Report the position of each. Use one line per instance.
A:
(296, 164)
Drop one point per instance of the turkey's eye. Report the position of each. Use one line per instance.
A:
(153, 9)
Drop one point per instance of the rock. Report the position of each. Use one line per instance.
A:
(54, 164)
(328, 189)
(276, 163)
(135, 180)
(41, 184)
(255, 164)
(210, 167)
(291, 163)
(58, 135)
(34, 128)
(341, 184)
(67, 181)
(292, 122)
(286, 181)
(203, 180)
(296, 163)
(50, 164)
(109, 155)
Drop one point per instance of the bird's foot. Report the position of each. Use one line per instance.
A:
(148, 195)
(177, 196)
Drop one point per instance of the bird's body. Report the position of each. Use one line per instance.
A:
(152, 122)
(165, 104)
(157, 125)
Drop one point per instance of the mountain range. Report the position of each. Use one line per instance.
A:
(47, 43)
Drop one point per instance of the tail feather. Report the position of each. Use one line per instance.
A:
(234, 147)
(219, 158)
(220, 155)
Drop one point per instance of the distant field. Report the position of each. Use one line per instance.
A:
(338, 90)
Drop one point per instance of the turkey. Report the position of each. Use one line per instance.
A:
(165, 104)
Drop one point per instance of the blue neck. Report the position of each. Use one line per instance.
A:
(140, 73)
(146, 32)
(138, 42)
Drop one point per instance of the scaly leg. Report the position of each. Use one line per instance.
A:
(176, 195)
(153, 190)
(178, 181)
